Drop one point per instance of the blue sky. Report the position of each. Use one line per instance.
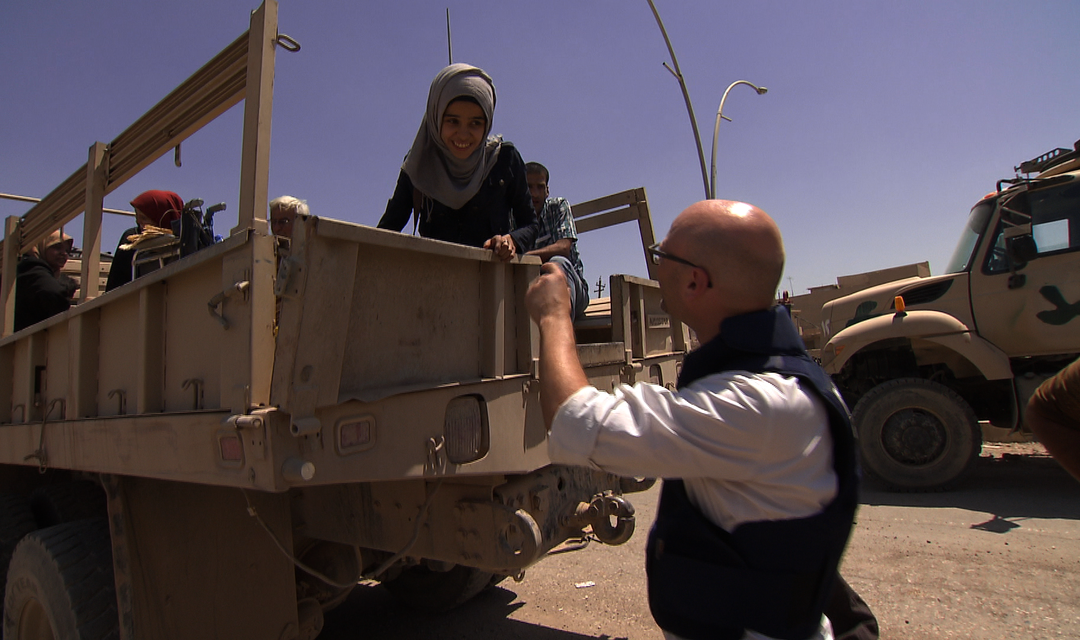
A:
(884, 122)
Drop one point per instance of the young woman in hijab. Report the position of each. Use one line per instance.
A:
(463, 185)
(153, 208)
(41, 291)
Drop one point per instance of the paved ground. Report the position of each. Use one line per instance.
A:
(999, 557)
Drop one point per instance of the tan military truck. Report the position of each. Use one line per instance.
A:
(923, 360)
(224, 446)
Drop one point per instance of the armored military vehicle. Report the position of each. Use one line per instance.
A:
(923, 360)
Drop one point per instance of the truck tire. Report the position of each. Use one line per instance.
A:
(55, 504)
(60, 585)
(438, 591)
(16, 521)
(916, 435)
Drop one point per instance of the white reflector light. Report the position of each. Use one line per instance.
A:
(466, 430)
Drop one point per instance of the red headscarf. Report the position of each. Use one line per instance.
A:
(160, 206)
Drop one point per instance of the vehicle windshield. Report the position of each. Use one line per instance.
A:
(969, 239)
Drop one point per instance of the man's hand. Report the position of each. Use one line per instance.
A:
(561, 375)
(548, 295)
(503, 246)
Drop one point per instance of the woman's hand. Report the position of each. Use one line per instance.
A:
(503, 246)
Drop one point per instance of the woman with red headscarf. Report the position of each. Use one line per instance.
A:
(153, 208)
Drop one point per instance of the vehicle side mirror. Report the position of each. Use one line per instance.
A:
(1020, 245)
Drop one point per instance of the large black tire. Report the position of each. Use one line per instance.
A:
(916, 435)
(437, 591)
(16, 521)
(55, 504)
(60, 585)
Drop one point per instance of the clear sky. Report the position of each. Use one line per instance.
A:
(884, 122)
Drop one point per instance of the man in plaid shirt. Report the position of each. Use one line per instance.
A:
(557, 240)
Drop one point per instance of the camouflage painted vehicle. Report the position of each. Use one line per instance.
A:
(224, 446)
(923, 360)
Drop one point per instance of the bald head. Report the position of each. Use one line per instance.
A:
(739, 245)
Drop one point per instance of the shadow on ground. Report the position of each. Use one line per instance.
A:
(1010, 486)
(371, 612)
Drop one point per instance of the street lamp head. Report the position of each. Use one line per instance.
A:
(761, 90)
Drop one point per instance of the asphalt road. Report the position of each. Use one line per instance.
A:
(998, 557)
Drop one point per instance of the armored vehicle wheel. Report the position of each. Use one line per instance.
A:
(55, 504)
(916, 435)
(60, 585)
(425, 589)
(16, 521)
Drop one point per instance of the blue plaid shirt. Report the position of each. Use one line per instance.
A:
(557, 222)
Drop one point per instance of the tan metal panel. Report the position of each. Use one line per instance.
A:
(194, 339)
(120, 352)
(198, 565)
(83, 369)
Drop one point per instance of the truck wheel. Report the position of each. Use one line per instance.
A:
(55, 504)
(916, 435)
(16, 521)
(437, 591)
(60, 585)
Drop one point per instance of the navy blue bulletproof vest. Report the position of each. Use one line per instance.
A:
(770, 576)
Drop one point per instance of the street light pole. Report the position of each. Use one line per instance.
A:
(716, 128)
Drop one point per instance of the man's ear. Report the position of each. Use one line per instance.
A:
(698, 282)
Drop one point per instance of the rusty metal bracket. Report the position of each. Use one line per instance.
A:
(239, 289)
(40, 454)
(122, 409)
(599, 514)
(287, 43)
(197, 383)
(436, 455)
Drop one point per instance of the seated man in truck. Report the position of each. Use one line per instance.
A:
(557, 238)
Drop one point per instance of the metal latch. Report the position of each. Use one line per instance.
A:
(239, 289)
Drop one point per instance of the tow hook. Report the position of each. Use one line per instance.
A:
(611, 518)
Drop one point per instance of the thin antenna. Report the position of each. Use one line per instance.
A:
(686, 96)
(449, 45)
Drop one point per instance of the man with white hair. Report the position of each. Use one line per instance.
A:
(283, 212)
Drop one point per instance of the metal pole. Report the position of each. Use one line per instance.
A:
(716, 128)
(11, 196)
(449, 46)
(686, 96)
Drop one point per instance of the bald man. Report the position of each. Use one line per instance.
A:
(755, 446)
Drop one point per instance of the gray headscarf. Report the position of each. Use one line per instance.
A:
(430, 165)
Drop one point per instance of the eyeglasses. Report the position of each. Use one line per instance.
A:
(655, 254)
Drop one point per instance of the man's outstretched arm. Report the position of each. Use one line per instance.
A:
(561, 374)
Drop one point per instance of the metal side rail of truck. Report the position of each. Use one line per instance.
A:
(923, 360)
(225, 445)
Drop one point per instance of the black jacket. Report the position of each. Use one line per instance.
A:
(120, 269)
(770, 576)
(38, 293)
(501, 206)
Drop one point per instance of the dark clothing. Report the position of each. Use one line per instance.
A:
(120, 270)
(501, 206)
(774, 577)
(849, 614)
(38, 293)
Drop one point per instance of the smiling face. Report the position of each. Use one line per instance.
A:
(463, 128)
